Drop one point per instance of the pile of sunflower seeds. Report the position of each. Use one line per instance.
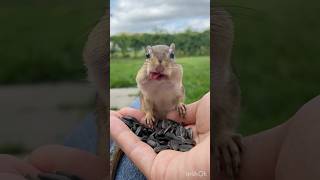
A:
(166, 134)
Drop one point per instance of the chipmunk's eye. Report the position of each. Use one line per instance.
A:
(171, 56)
(147, 55)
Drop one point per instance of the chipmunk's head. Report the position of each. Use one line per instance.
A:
(160, 60)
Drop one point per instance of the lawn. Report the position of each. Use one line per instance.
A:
(196, 74)
(276, 52)
(276, 55)
(43, 40)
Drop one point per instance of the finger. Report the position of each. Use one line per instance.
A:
(195, 135)
(184, 110)
(227, 160)
(11, 176)
(197, 159)
(234, 151)
(172, 164)
(190, 115)
(192, 110)
(180, 111)
(13, 165)
(54, 158)
(217, 161)
(238, 140)
(140, 153)
(127, 111)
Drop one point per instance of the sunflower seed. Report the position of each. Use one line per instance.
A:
(127, 122)
(174, 145)
(183, 132)
(189, 132)
(152, 143)
(138, 130)
(163, 124)
(167, 129)
(144, 138)
(171, 136)
(160, 148)
(185, 147)
(166, 134)
(177, 132)
(130, 118)
(189, 141)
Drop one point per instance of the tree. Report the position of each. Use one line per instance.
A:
(188, 43)
(122, 41)
(135, 42)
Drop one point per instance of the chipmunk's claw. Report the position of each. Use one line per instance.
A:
(229, 148)
(149, 119)
(182, 110)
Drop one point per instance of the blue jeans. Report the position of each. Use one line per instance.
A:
(84, 137)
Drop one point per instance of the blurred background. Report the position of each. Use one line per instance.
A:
(136, 24)
(276, 56)
(43, 89)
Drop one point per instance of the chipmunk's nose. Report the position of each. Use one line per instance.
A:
(159, 68)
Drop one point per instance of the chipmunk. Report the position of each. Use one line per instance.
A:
(160, 83)
(161, 90)
(96, 56)
(226, 96)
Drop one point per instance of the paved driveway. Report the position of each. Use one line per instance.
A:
(34, 115)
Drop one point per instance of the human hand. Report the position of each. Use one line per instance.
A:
(50, 159)
(53, 158)
(15, 169)
(168, 164)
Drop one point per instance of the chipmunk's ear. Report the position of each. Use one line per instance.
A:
(171, 50)
(148, 51)
(172, 47)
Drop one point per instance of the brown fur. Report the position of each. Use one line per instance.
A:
(95, 57)
(226, 92)
(158, 97)
(150, 93)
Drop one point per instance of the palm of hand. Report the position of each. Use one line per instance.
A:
(168, 164)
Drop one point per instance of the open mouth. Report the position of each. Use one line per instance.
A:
(157, 76)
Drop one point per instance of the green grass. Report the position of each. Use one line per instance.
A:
(276, 52)
(196, 75)
(276, 55)
(43, 40)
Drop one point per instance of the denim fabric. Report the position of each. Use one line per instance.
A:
(126, 168)
(84, 137)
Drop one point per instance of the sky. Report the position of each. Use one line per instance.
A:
(134, 16)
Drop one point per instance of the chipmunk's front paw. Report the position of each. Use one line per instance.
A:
(182, 110)
(228, 149)
(149, 119)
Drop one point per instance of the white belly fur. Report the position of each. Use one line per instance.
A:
(163, 94)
